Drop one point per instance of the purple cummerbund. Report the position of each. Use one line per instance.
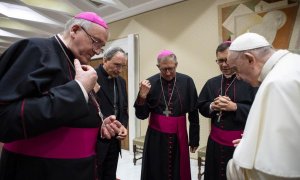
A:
(225, 137)
(61, 143)
(167, 124)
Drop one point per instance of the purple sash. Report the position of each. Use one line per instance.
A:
(62, 143)
(175, 125)
(224, 137)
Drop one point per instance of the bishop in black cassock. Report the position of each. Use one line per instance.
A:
(171, 96)
(235, 97)
(49, 128)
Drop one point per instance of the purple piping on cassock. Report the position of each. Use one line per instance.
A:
(175, 125)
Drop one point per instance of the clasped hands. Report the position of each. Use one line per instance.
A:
(223, 103)
(112, 127)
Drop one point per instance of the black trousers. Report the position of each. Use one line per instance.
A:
(107, 158)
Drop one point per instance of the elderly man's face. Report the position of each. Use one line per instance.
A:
(115, 65)
(245, 69)
(88, 41)
(167, 69)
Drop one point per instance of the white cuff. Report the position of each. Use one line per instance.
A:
(210, 109)
(86, 96)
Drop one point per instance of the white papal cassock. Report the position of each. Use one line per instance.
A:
(271, 138)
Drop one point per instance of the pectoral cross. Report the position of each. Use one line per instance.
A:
(166, 112)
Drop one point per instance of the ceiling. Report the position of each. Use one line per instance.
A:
(42, 18)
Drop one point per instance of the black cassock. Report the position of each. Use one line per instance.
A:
(113, 97)
(38, 97)
(219, 149)
(161, 152)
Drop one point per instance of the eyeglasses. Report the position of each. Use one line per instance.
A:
(170, 69)
(221, 61)
(95, 43)
(119, 66)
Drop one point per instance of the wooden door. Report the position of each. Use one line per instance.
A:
(95, 63)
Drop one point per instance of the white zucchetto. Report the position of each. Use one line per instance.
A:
(248, 41)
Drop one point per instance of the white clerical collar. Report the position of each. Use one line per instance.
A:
(62, 39)
(229, 76)
(271, 62)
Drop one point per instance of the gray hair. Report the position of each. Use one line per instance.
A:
(258, 52)
(169, 57)
(80, 22)
(111, 52)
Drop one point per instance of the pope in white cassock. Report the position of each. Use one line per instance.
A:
(270, 145)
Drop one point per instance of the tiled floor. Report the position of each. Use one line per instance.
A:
(128, 171)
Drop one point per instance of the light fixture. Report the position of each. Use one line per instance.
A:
(8, 34)
(25, 13)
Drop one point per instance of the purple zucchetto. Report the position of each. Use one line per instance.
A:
(227, 42)
(92, 17)
(164, 53)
